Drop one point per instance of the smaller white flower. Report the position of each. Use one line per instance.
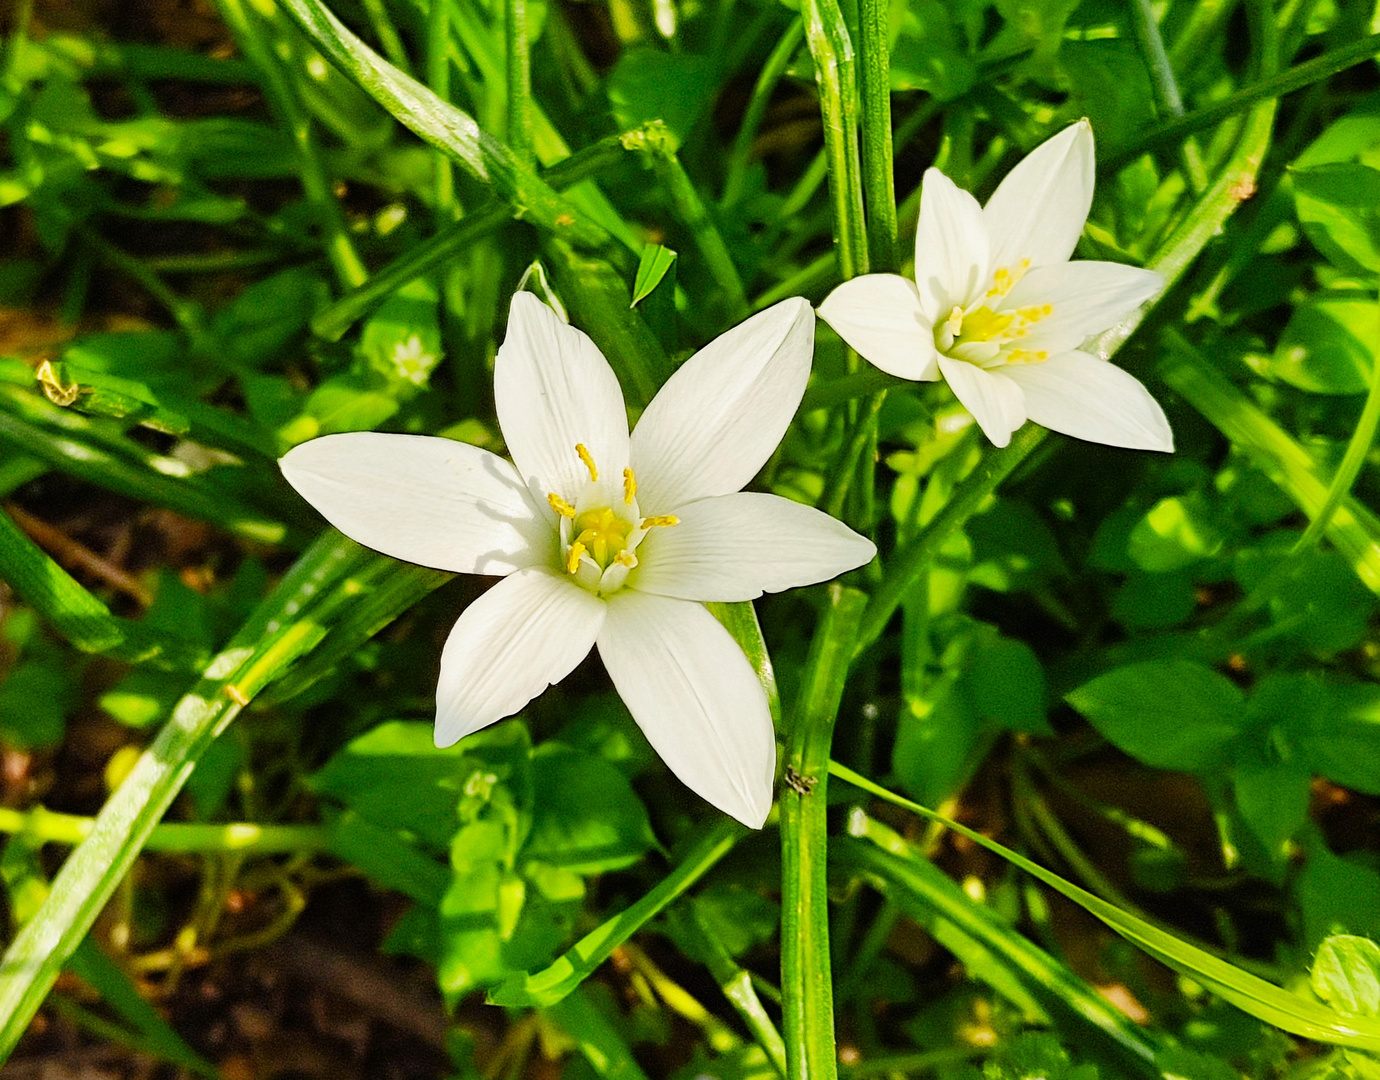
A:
(606, 539)
(998, 310)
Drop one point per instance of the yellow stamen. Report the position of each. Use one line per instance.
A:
(954, 324)
(572, 560)
(626, 558)
(588, 460)
(560, 505)
(629, 486)
(659, 521)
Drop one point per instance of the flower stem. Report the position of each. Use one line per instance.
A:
(832, 50)
(878, 177)
(438, 78)
(806, 981)
(519, 59)
(767, 79)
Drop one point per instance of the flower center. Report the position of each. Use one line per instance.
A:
(600, 531)
(986, 334)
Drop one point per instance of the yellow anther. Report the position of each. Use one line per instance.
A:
(954, 323)
(588, 459)
(659, 521)
(626, 558)
(629, 486)
(560, 505)
(1001, 274)
(572, 560)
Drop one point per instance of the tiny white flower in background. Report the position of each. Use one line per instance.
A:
(606, 539)
(412, 361)
(998, 310)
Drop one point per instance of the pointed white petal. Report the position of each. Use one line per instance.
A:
(736, 547)
(996, 402)
(719, 417)
(431, 501)
(553, 389)
(879, 315)
(951, 247)
(1092, 399)
(1087, 298)
(696, 698)
(526, 633)
(1038, 211)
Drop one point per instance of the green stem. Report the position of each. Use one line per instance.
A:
(1275, 86)
(657, 143)
(878, 175)
(832, 50)
(1164, 85)
(438, 78)
(43, 826)
(767, 78)
(287, 107)
(806, 983)
(519, 67)
(376, 11)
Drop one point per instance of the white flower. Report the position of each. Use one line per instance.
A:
(604, 538)
(998, 310)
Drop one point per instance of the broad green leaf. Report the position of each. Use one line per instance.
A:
(35, 698)
(655, 261)
(1339, 208)
(1337, 895)
(587, 818)
(1341, 740)
(1170, 714)
(648, 84)
(402, 339)
(737, 918)
(928, 52)
(1328, 346)
(1273, 800)
(1176, 532)
(1346, 974)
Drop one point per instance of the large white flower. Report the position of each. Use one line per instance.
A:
(998, 310)
(604, 538)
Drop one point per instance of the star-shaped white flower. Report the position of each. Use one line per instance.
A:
(606, 539)
(998, 310)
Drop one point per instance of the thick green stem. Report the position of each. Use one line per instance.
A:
(519, 67)
(806, 983)
(879, 179)
(832, 50)
(438, 78)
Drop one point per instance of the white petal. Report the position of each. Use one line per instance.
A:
(1092, 399)
(696, 698)
(719, 417)
(951, 247)
(431, 501)
(1087, 297)
(879, 316)
(527, 632)
(553, 389)
(736, 547)
(1038, 211)
(994, 400)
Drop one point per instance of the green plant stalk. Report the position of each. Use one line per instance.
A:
(78, 615)
(656, 142)
(547, 987)
(43, 826)
(376, 11)
(1163, 84)
(282, 629)
(736, 984)
(438, 79)
(1353, 529)
(878, 175)
(806, 982)
(443, 125)
(767, 78)
(1290, 1012)
(1268, 89)
(332, 322)
(519, 67)
(832, 50)
(283, 100)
